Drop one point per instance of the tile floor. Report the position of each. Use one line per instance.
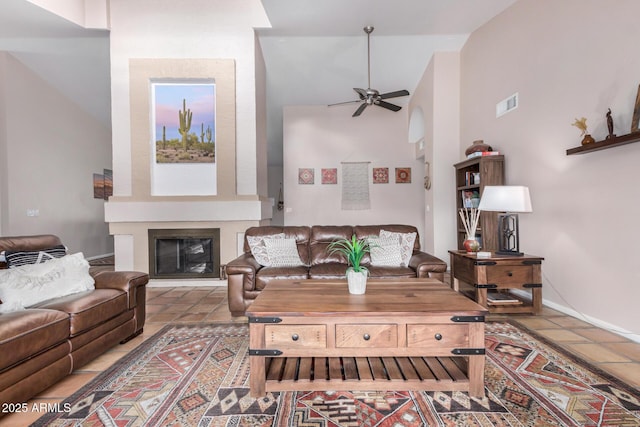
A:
(607, 350)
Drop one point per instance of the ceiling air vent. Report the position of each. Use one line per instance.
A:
(506, 105)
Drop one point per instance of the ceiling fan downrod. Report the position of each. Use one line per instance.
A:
(368, 29)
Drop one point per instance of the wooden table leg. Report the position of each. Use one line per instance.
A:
(455, 284)
(536, 300)
(476, 363)
(481, 296)
(257, 372)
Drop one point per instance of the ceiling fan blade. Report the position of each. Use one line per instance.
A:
(361, 93)
(345, 102)
(388, 106)
(394, 94)
(360, 110)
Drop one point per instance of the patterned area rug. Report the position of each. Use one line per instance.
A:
(197, 375)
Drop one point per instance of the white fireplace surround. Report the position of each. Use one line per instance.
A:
(235, 210)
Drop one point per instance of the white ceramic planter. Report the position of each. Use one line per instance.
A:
(357, 281)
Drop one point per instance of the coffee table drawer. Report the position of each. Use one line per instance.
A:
(437, 336)
(367, 336)
(295, 336)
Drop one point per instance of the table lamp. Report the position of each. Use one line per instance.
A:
(509, 199)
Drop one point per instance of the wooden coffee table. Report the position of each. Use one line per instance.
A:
(408, 334)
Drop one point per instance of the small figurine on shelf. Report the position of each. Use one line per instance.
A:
(582, 125)
(610, 125)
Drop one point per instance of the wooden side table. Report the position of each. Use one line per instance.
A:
(498, 274)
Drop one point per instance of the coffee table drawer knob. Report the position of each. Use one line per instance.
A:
(366, 337)
(295, 337)
(438, 337)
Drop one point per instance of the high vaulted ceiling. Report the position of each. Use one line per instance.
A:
(315, 51)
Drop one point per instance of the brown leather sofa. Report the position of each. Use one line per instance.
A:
(246, 277)
(44, 343)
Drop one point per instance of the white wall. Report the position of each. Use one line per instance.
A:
(169, 29)
(323, 137)
(50, 148)
(575, 58)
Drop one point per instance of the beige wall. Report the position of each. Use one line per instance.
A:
(50, 149)
(323, 137)
(566, 59)
(437, 96)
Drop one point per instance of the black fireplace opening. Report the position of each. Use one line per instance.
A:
(184, 253)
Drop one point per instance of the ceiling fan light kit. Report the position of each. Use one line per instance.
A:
(372, 96)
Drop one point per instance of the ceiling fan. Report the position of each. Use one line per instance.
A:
(371, 96)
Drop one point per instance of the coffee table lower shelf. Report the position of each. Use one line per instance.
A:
(366, 373)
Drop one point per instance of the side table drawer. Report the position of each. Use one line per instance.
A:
(442, 337)
(295, 336)
(369, 336)
(510, 275)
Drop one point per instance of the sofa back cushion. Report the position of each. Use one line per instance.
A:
(28, 243)
(363, 231)
(299, 233)
(321, 238)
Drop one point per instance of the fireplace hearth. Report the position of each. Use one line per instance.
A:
(184, 253)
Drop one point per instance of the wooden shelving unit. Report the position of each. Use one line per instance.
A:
(616, 141)
(491, 172)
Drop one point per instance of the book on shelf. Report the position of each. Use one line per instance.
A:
(501, 298)
(482, 154)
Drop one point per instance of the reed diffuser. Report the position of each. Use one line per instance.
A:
(470, 218)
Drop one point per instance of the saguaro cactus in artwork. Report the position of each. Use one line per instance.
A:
(209, 135)
(164, 137)
(202, 132)
(185, 122)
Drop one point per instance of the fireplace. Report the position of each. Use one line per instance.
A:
(184, 253)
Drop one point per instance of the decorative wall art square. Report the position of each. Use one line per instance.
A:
(403, 175)
(380, 175)
(305, 176)
(330, 176)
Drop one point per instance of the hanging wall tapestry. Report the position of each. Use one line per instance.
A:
(355, 186)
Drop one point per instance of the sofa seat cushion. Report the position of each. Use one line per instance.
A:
(331, 270)
(267, 274)
(383, 272)
(28, 332)
(91, 308)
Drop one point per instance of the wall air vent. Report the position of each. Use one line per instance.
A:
(506, 105)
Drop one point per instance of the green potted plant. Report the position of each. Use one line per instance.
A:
(353, 249)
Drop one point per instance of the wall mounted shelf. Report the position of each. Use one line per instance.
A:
(605, 143)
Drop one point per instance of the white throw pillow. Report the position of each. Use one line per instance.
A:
(283, 252)
(24, 286)
(406, 241)
(259, 250)
(385, 251)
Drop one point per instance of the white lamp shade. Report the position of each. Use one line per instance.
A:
(505, 198)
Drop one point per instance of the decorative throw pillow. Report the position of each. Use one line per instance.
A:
(283, 252)
(406, 241)
(18, 258)
(259, 250)
(27, 285)
(385, 251)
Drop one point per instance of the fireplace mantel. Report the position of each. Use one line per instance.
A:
(152, 211)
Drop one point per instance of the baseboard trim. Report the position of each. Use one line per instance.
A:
(183, 283)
